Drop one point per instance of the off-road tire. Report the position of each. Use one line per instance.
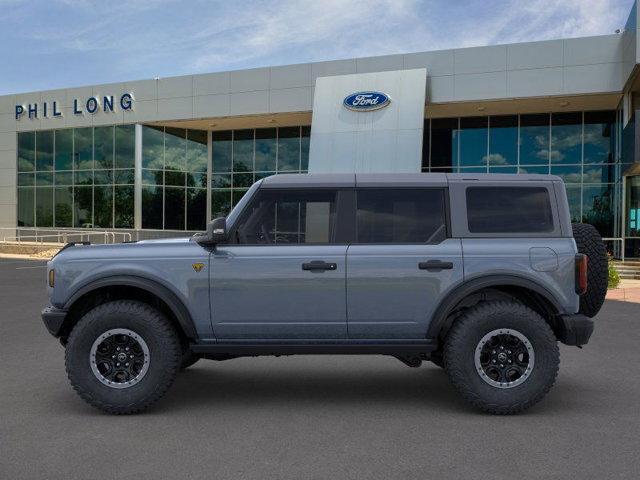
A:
(164, 352)
(188, 359)
(589, 242)
(464, 337)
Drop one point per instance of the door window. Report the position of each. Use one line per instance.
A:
(283, 217)
(509, 210)
(389, 215)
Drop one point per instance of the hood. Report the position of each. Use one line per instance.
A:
(118, 250)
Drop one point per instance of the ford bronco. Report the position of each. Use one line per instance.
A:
(482, 275)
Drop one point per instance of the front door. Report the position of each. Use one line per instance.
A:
(401, 263)
(283, 275)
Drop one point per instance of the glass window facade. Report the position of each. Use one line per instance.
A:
(579, 147)
(241, 157)
(84, 177)
(174, 178)
(77, 177)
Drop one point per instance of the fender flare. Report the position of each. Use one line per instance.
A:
(469, 287)
(176, 306)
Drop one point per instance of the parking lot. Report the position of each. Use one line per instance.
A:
(312, 417)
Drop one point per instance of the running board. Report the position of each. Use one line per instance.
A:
(422, 347)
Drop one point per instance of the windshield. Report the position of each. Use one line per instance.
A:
(233, 215)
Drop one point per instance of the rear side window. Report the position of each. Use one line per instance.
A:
(509, 210)
(389, 215)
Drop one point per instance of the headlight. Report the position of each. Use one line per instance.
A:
(52, 277)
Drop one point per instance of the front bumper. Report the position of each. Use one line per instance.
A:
(574, 330)
(53, 319)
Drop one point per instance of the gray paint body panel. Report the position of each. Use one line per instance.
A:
(377, 292)
(165, 262)
(511, 256)
(388, 296)
(262, 292)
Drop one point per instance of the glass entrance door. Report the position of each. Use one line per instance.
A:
(632, 216)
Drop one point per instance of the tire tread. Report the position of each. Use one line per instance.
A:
(164, 330)
(456, 337)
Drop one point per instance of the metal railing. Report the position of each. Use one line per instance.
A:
(622, 246)
(39, 236)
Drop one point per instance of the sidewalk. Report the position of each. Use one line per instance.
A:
(627, 291)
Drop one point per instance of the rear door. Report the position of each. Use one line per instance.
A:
(401, 263)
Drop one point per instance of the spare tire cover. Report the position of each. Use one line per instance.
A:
(590, 243)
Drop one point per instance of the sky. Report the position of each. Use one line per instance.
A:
(48, 44)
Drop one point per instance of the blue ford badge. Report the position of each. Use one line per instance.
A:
(366, 101)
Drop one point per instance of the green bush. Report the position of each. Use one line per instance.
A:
(614, 276)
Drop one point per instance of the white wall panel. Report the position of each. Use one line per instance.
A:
(343, 140)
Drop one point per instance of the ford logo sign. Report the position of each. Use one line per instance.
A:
(366, 101)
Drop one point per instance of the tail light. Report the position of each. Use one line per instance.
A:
(581, 273)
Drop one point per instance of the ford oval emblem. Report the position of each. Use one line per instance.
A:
(366, 101)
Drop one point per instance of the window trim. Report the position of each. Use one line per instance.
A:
(459, 225)
(446, 206)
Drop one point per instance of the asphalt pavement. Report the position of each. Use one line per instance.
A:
(314, 417)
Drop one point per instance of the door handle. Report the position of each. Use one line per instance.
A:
(319, 266)
(435, 265)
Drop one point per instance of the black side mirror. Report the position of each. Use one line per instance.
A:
(216, 232)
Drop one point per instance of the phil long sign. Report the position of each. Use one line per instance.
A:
(91, 105)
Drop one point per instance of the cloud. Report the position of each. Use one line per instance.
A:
(495, 159)
(116, 40)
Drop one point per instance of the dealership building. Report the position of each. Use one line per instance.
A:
(156, 157)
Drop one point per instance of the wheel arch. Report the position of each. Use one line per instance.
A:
(131, 287)
(528, 291)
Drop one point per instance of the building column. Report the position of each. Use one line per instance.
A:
(209, 173)
(137, 209)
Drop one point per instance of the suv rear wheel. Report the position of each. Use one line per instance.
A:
(501, 356)
(122, 356)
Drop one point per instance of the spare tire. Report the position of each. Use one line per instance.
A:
(589, 242)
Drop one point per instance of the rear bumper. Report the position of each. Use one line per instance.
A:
(53, 319)
(574, 330)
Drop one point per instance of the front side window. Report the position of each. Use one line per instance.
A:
(287, 217)
(509, 210)
(390, 215)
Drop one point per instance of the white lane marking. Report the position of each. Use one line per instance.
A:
(24, 268)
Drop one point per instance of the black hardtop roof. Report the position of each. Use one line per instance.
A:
(320, 180)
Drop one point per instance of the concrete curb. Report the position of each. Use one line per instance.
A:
(625, 294)
(16, 256)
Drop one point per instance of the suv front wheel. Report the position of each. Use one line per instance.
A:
(501, 356)
(122, 356)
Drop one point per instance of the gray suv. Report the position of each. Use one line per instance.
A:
(480, 274)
